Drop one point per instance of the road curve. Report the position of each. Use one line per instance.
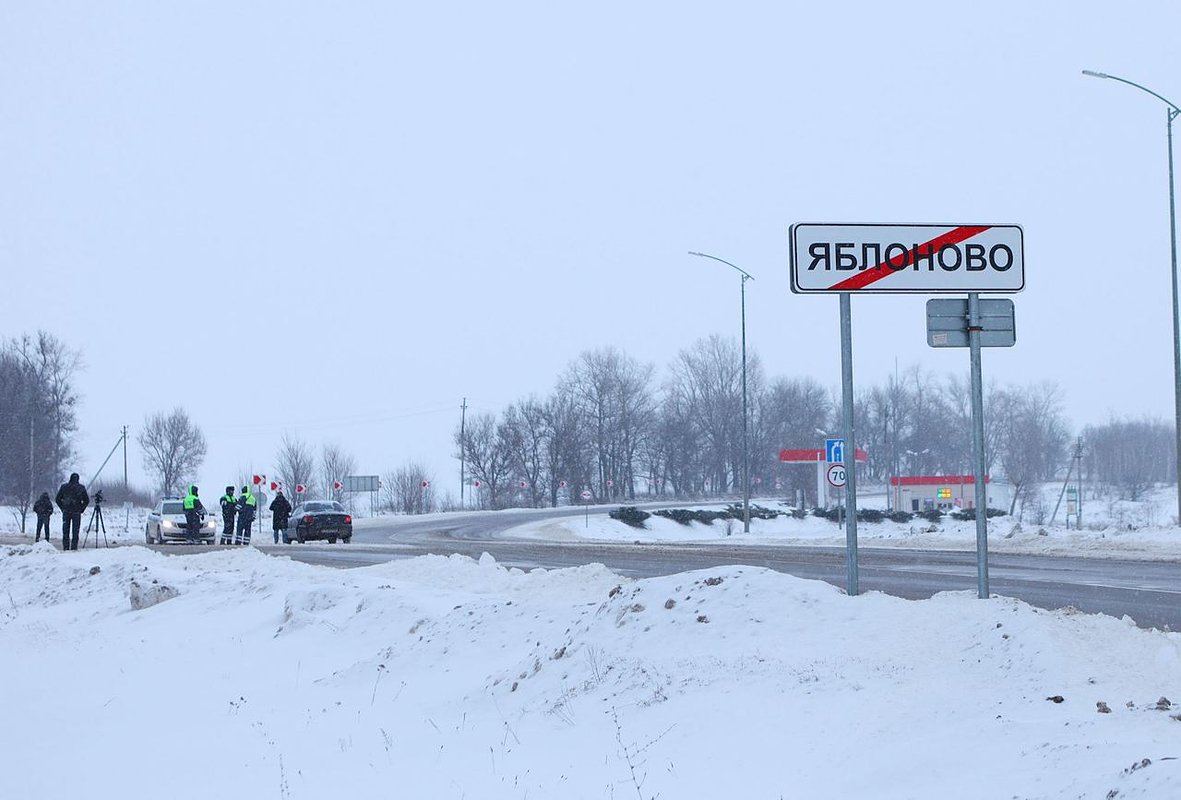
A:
(1147, 591)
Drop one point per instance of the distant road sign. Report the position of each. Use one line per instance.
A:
(836, 475)
(834, 451)
(889, 258)
(361, 483)
(585, 494)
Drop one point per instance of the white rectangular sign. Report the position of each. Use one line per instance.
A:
(361, 483)
(888, 258)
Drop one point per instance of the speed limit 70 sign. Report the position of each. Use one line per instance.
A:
(836, 475)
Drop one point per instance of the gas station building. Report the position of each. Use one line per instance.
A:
(930, 492)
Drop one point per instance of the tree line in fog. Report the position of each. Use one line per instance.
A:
(616, 428)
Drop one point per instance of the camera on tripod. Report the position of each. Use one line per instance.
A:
(96, 522)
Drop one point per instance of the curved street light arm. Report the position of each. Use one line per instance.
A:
(1170, 113)
(745, 275)
(1173, 106)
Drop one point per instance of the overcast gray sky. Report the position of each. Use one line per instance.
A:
(338, 220)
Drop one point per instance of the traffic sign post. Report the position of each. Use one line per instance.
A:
(844, 259)
(836, 476)
(586, 498)
(978, 446)
(851, 577)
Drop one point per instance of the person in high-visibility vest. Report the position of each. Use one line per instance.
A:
(194, 514)
(229, 510)
(247, 505)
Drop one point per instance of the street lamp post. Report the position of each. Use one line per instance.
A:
(745, 436)
(1171, 111)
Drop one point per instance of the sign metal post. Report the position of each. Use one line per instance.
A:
(974, 328)
(917, 258)
(851, 443)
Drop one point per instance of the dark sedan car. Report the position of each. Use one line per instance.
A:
(319, 519)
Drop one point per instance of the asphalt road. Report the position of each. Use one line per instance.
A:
(1148, 592)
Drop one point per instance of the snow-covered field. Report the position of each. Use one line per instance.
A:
(1111, 529)
(1006, 535)
(256, 676)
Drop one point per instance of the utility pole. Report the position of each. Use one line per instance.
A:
(462, 449)
(32, 484)
(127, 499)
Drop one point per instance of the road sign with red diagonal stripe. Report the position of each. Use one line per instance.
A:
(892, 258)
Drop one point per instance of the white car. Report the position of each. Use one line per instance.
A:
(166, 523)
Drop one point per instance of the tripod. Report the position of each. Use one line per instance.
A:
(96, 524)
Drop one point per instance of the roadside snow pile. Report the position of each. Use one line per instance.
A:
(448, 677)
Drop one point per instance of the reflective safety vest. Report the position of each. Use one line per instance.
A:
(228, 502)
(249, 499)
(190, 500)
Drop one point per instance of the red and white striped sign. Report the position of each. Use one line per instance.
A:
(888, 258)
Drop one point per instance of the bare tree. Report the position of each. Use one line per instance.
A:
(22, 465)
(294, 465)
(613, 395)
(37, 417)
(54, 366)
(410, 490)
(567, 447)
(791, 413)
(173, 449)
(1032, 436)
(1131, 455)
(335, 464)
(488, 457)
(523, 430)
(707, 380)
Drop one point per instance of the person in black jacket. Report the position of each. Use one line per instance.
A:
(72, 499)
(43, 508)
(280, 515)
